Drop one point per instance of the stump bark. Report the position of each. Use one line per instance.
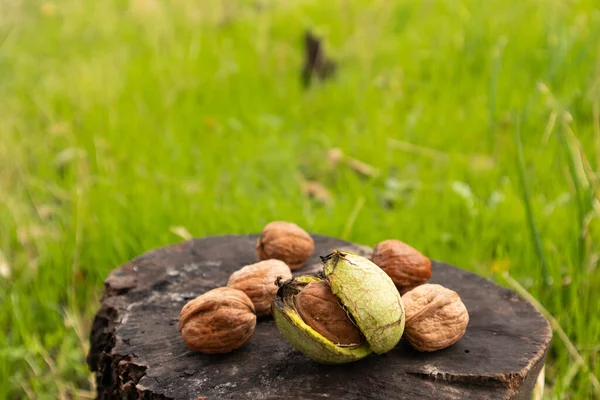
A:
(137, 351)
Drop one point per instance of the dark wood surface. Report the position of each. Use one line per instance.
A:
(137, 352)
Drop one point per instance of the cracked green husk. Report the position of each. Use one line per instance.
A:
(368, 294)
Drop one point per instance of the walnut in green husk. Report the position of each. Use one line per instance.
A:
(365, 294)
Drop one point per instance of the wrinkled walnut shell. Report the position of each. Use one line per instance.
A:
(258, 282)
(407, 267)
(219, 321)
(285, 241)
(321, 310)
(436, 317)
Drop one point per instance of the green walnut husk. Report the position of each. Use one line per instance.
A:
(366, 292)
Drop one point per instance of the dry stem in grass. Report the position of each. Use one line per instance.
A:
(556, 328)
(336, 156)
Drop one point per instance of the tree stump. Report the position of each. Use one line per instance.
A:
(137, 351)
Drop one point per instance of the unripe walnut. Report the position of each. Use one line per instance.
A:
(350, 310)
(258, 282)
(321, 309)
(219, 321)
(407, 267)
(436, 317)
(285, 241)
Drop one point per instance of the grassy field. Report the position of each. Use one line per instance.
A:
(123, 120)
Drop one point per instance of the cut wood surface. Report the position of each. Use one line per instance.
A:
(137, 351)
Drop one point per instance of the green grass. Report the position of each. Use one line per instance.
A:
(120, 120)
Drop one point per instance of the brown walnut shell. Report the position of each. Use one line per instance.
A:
(436, 317)
(219, 321)
(321, 310)
(407, 267)
(285, 241)
(258, 282)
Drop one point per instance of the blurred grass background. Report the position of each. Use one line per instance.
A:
(126, 124)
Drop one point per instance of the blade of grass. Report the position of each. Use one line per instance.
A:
(497, 54)
(535, 235)
(596, 127)
(360, 202)
(571, 374)
(27, 390)
(416, 149)
(549, 127)
(579, 183)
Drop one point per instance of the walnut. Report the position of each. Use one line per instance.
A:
(258, 282)
(321, 310)
(285, 241)
(219, 321)
(435, 317)
(407, 267)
